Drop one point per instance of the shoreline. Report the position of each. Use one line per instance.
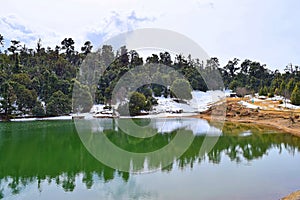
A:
(265, 123)
(287, 121)
(282, 120)
(279, 124)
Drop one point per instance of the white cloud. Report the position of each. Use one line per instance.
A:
(267, 31)
(116, 23)
(17, 29)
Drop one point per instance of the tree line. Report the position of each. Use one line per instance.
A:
(39, 81)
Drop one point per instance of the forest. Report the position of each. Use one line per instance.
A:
(40, 81)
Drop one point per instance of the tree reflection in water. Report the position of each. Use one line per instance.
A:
(34, 152)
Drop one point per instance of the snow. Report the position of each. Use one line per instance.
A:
(276, 98)
(289, 106)
(200, 102)
(97, 108)
(167, 107)
(249, 105)
(228, 92)
(256, 100)
(267, 105)
(44, 118)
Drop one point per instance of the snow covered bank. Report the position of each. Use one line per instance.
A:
(200, 101)
(41, 119)
(167, 107)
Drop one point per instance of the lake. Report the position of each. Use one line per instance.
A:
(57, 160)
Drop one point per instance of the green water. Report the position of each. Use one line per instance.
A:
(47, 160)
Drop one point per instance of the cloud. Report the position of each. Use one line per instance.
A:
(14, 28)
(203, 4)
(267, 31)
(115, 24)
(11, 22)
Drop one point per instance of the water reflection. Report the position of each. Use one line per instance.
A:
(32, 153)
(160, 125)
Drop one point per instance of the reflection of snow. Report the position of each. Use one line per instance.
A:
(197, 126)
(246, 133)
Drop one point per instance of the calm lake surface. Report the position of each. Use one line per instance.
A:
(48, 160)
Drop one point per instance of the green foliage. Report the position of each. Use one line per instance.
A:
(233, 85)
(181, 89)
(26, 99)
(158, 90)
(137, 103)
(295, 97)
(263, 91)
(282, 88)
(271, 94)
(8, 98)
(30, 74)
(27, 74)
(38, 110)
(291, 85)
(59, 104)
(82, 98)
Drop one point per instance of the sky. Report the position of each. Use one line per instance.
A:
(267, 31)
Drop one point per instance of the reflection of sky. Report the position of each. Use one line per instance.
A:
(115, 189)
(272, 177)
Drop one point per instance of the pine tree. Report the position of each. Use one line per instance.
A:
(295, 98)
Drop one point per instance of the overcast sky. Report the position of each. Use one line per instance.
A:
(263, 30)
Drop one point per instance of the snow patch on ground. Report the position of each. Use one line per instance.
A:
(200, 101)
(270, 103)
(167, 107)
(288, 106)
(249, 105)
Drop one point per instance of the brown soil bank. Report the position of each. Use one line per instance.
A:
(293, 196)
(286, 120)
